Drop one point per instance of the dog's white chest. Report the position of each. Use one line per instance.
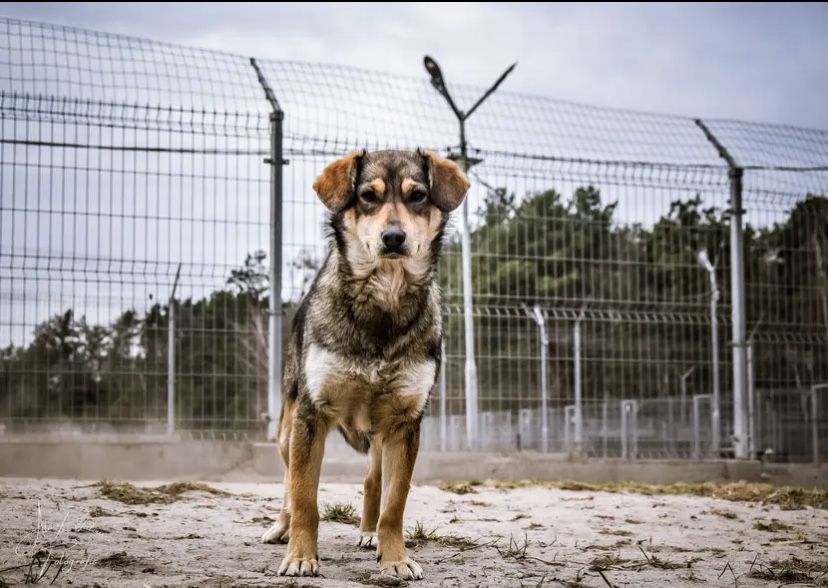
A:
(353, 387)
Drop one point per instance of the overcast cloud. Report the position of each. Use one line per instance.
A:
(765, 62)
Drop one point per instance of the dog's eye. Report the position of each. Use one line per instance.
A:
(418, 197)
(368, 197)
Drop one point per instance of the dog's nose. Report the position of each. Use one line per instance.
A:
(393, 238)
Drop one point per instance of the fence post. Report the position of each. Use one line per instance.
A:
(537, 316)
(815, 421)
(569, 412)
(683, 407)
(579, 430)
(697, 399)
(752, 406)
(274, 351)
(737, 285)
(443, 400)
(604, 431)
(629, 424)
(472, 404)
(171, 356)
(470, 372)
(716, 412)
(741, 418)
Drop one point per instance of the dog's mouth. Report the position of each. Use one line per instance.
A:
(392, 254)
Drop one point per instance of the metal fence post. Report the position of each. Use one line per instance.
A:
(274, 355)
(569, 412)
(470, 371)
(697, 399)
(538, 317)
(171, 356)
(759, 423)
(741, 417)
(629, 424)
(737, 285)
(715, 414)
(683, 407)
(624, 425)
(604, 430)
(773, 424)
(752, 404)
(443, 400)
(437, 81)
(815, 421)
(579, 431)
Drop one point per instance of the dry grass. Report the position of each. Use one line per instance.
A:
(516, 550)
(791, 570)
(37, 568)
(616, 532)
(724, 513)
(606, 561)
(101, 512)
(263, 520)
(477, 502)
(787, 497)
(130, 494)
(462, 488)
(341, 513)
(774, 526)
(117, 560)
(457, 542)
(662, 564)
(420, 534)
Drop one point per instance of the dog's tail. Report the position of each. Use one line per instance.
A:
(356, 439)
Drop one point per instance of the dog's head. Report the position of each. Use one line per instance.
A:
(391, 206)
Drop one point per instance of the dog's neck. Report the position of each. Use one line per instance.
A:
(384, 292)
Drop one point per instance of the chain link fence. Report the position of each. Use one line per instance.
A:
(133, 183)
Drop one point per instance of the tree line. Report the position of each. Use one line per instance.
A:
(643, 294)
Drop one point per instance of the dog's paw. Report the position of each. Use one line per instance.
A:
(278, 533)
(299, 566)
(367, 539)
(406, 569)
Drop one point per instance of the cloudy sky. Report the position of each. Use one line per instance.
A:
(765, 62)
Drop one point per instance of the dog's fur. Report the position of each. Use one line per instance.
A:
(364, 350)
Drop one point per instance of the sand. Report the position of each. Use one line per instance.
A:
(521, 537)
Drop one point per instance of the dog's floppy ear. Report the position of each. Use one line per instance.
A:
(337, 183)
(447, 182)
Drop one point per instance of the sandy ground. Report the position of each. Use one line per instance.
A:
(523, 537)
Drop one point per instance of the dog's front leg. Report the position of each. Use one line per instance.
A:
(371, 497)
(399, 452)
(307, 445)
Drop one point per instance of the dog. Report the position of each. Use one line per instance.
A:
(364, 349)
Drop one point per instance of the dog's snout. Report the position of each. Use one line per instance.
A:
(393, 238)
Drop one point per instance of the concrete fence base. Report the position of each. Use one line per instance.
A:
(168, 459)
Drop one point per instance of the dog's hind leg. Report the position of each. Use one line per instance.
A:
(399, 452)
(280, 531)
(307, 445)
(371, 498)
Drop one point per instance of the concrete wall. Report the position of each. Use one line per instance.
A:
(157, 460)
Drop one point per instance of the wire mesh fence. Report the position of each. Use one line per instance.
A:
(124, 160)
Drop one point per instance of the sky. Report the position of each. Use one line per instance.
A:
(761, 62)
(751, 62)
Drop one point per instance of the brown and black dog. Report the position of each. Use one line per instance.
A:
(364, 349)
